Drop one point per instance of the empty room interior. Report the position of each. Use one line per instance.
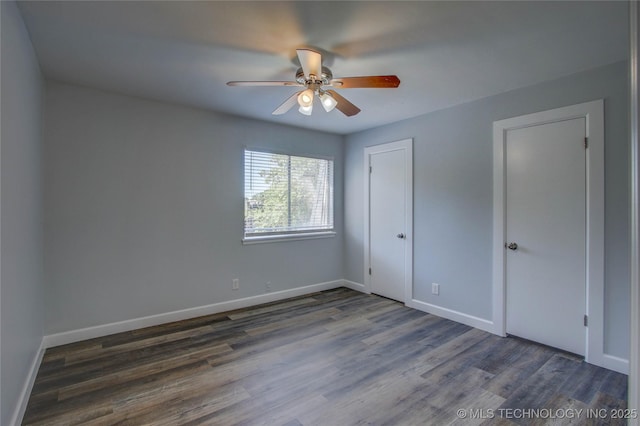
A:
(318, 213)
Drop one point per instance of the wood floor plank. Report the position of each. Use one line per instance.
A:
(159, 330)
(562, 410)
(466, 390)
(61, 352)
(543, 385)
(531, 358)
(607, 403)
(130, 374)
(584, 385)
(615, 384)
(291, 322)
(391, 333)
(336, 357)
(182, 409)
(463, 359)
(273, 307)
(96, 353)
(57, 410)
(444, 352)
(141, 357)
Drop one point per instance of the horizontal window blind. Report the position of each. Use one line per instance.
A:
(286, 194)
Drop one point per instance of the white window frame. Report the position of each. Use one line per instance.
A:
(290, 235)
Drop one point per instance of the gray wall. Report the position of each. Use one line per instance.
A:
(453, 197)
(21, 283)
(144, 209)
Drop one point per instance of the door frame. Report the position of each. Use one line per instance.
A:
(405, 145)
(634, 132)
(593, 113)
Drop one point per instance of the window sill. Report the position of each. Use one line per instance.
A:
(288, 237)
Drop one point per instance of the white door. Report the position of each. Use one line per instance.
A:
(545, 231)
(389, 231)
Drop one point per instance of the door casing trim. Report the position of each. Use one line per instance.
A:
(634, 128)
(407, 146)
(593, 113)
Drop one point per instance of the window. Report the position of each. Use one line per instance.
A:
(286, 196)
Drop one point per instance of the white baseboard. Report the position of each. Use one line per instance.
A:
(456, 316)
(23, 400)
(615, 363)
(148, 321)
(354, 286)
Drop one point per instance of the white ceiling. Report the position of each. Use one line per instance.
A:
(445, 53)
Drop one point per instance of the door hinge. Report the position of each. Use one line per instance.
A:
(586, 143)
(370, 169)
(369, 271)
(586, 321)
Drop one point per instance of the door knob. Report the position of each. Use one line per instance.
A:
(511, 246)
(401, 236)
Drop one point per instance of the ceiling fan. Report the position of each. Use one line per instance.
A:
(315, 78)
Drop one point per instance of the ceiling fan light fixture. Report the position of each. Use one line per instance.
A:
(328, 102)
(306, 110)
(305, 98)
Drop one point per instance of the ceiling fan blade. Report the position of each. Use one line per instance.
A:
(286, 105)
(311, 62)
(263, 83)
(344, 105)
(373, 81)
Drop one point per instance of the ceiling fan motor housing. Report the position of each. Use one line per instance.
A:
(325, 78)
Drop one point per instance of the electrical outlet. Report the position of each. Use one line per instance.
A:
(236, 284)
(268, 286)
(435, 288)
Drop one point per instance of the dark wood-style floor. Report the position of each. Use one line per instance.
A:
(332, 358)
